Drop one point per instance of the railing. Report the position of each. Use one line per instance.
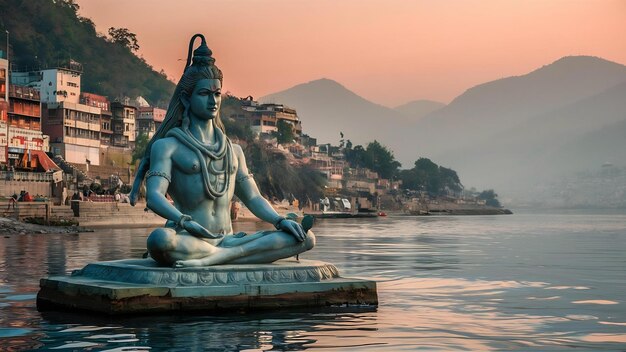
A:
(26, 176)
(101, 198)
(23, 92)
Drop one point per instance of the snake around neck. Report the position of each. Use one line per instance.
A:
(208, 155)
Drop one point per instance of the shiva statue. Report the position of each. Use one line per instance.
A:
(191, 159)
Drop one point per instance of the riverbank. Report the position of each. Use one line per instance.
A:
(454, 208)
(9, 226)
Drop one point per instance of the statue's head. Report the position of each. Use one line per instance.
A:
(202, 80)
(201, 71)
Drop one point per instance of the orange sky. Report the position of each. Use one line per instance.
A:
(388, 51)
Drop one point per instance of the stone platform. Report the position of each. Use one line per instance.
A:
(135, 286)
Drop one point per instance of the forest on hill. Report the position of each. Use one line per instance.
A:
(46, 33)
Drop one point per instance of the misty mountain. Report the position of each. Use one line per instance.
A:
(550, 145)
(513, 146)
(591, 171)
(327, 108)
(417, 109)
(490, 108)
(515, 134)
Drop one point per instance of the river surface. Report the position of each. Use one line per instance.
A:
(532, 282)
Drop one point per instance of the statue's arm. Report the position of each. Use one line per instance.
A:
(158, 181)
(248, 192)
(141, 171)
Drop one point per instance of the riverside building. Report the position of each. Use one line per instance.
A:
(123, 123)
(264, 118)
(149, 120)
(22, 143)
(74, 128)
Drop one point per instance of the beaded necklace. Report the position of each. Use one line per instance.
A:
(208, 156)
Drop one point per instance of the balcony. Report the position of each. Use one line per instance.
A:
(27, 93)
(26, 176)
(82, 141)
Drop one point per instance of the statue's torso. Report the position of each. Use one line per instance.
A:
(187, 189)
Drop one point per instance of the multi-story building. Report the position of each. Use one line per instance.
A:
(123, 123)
(149, 120)
(4, 78)
(74, 128)
(263, 118)
(102, 102)
(74, 131)
(61, 84)
(24, 130)
(22, 143)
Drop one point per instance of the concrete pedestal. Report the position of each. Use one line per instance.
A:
(134, 286)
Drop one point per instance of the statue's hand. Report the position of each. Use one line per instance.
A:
(293, 228)
(198, 230)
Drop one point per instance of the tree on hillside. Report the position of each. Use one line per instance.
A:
(71, 4)
(375, 157)
(427, 173)
(380, 159)
(430, 177)
(46, 33)
(141, 142)
(354, 156)
(284, 133)
(277, 178)
(124, 37)
(231, 106)
(450, 179)
(490, 197)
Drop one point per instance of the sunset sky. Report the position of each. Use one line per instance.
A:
(388, 51)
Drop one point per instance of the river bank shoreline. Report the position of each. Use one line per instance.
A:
(9, 226)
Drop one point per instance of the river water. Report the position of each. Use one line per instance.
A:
(534, 282)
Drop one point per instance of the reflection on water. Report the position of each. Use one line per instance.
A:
(520, 282)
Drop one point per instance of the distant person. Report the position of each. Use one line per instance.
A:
(12, 201)
(117, 197)
(64, 195)
(27, 197)
(75, 203)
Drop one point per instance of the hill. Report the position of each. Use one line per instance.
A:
(44, 33)
(327, 108)
(515, 134)
(417, 109)
(520, 132)
(490, 108)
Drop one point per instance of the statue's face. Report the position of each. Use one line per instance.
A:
(206, 99)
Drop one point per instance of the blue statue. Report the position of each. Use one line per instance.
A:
(191, 159)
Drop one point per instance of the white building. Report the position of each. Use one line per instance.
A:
(61, 84)
(74, 128)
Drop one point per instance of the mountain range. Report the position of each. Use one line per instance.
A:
(513, 134)
(417, 109)
(327, 108)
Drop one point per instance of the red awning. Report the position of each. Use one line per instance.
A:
(44, 160)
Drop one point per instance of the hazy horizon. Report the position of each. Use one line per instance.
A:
(389, 52)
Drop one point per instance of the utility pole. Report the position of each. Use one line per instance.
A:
(6, 98)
